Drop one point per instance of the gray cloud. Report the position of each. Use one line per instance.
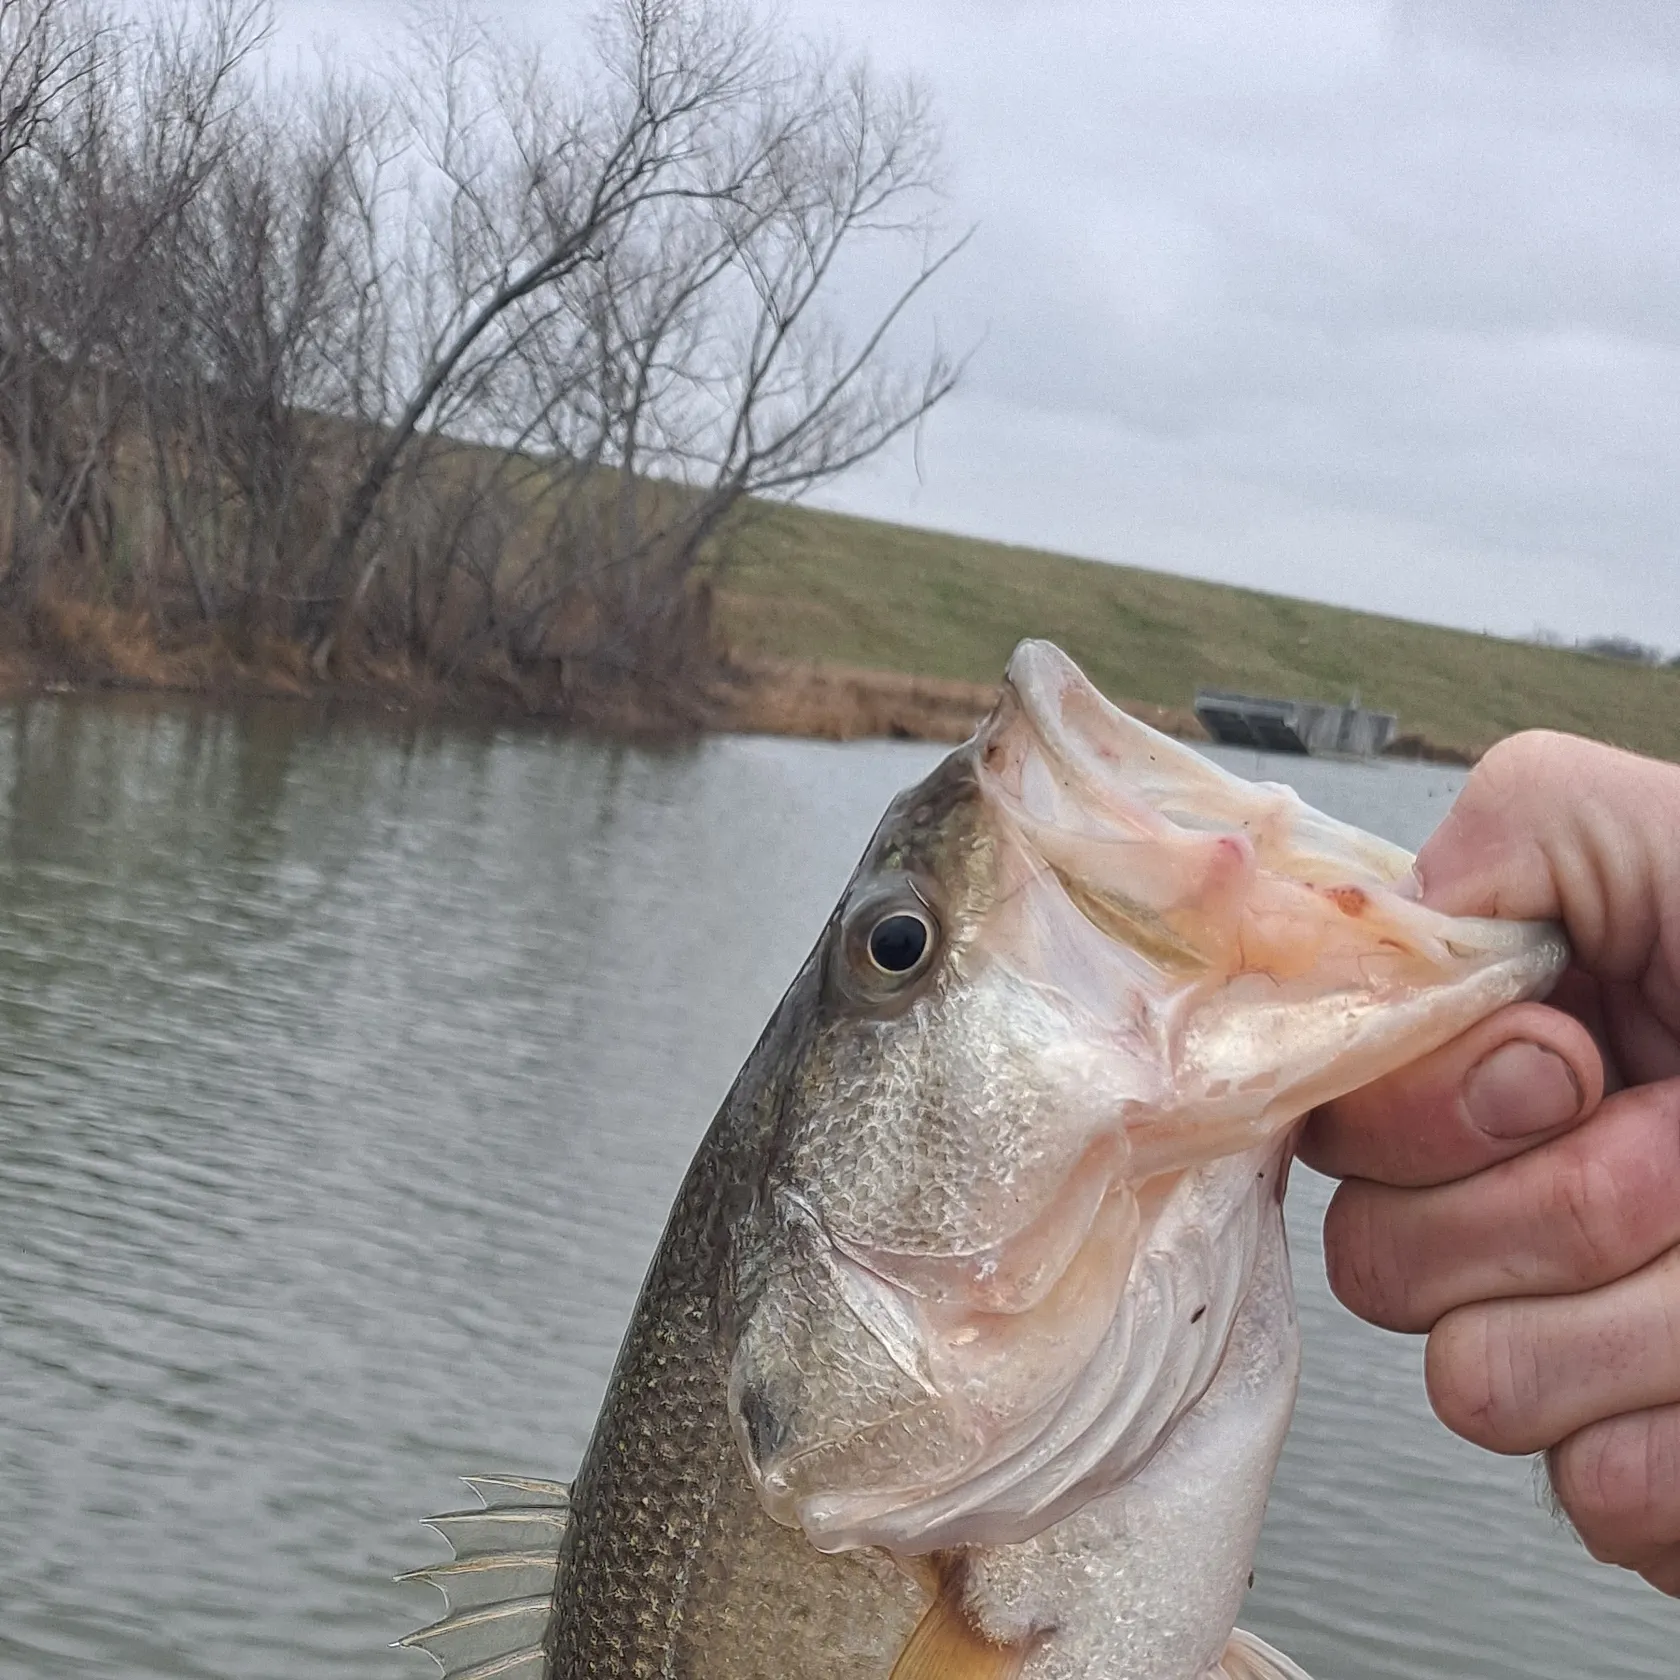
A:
(1375, 304)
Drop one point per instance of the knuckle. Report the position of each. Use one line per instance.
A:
(1518, 782)
(1481, 1374)
(1614, 1479)
(1513, 763)
(1589, 1212)
(1358, 1257)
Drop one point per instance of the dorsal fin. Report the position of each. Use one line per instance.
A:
(498, 1588)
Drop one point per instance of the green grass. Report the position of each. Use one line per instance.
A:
(805, 584)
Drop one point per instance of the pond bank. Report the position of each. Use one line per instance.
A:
(81, 648)
(825, 701)
(832, 702)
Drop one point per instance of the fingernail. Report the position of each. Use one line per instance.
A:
(1520, 1090)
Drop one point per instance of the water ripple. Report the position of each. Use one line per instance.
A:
(345, 1078)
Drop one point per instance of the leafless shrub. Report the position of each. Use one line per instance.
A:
(619, 283)
(128, 141)
(481, 359)
(246, 362)
(46, 48)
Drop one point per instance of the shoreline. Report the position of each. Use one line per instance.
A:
(828, 701)
(103, 652)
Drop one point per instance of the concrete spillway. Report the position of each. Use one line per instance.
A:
(1294, 726)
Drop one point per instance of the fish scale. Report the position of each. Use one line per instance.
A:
(669, 1565)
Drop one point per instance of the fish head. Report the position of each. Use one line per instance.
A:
(1077, 966)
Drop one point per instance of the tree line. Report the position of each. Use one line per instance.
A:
(1625, 650)
(477, 355)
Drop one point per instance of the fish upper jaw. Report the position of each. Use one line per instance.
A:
(1279, 958)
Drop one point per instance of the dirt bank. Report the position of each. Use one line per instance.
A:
(850, 702)
(831, 702)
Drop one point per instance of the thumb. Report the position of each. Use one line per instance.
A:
(1555, 828)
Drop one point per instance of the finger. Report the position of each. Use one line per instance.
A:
(1509, 1083)
(1552, 826)
(1578, 994)
(1619, 1482)
(1638, 1035)
(1516, 1376)
(1589, 1207)
(1663, 1571)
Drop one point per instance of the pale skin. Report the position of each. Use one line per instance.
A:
(1516, 1196)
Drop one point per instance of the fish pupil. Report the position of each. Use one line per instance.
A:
(896, 943)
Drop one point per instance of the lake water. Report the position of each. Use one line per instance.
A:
(346, 1073)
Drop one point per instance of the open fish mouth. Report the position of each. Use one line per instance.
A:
(1001, 1277)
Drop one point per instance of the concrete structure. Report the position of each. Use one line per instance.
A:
(1294, 726)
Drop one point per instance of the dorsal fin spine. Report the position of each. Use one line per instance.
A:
(499, 1585)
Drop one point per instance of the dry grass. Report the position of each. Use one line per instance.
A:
(848, 702)
(67, 643)
(96, 644)
(90, 641)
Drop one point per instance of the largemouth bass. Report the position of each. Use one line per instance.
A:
(969, 1348)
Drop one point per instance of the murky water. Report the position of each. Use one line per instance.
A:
(345, 1076)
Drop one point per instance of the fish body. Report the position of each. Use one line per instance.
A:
(969, 1347)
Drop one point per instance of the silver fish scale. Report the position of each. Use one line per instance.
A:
(923, 1136)
(670, 1566)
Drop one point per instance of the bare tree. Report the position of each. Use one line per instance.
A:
(590, 253)
(246, 361)
(722, 373)
(131, 139)
(46, 47)
(481, 362)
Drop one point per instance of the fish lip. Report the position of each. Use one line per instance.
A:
(1041, 677)
(1039, 683)
(1037, 666)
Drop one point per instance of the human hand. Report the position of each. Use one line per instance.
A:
(1496, 1197)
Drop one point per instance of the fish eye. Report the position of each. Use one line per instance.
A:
(889, 940)
(899, 941)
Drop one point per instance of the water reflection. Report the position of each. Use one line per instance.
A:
(347, 1072)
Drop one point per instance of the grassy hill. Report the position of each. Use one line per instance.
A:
(804, 584)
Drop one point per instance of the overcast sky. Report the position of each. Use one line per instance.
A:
(1371, 303)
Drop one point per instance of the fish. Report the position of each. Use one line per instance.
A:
(969, 1348)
